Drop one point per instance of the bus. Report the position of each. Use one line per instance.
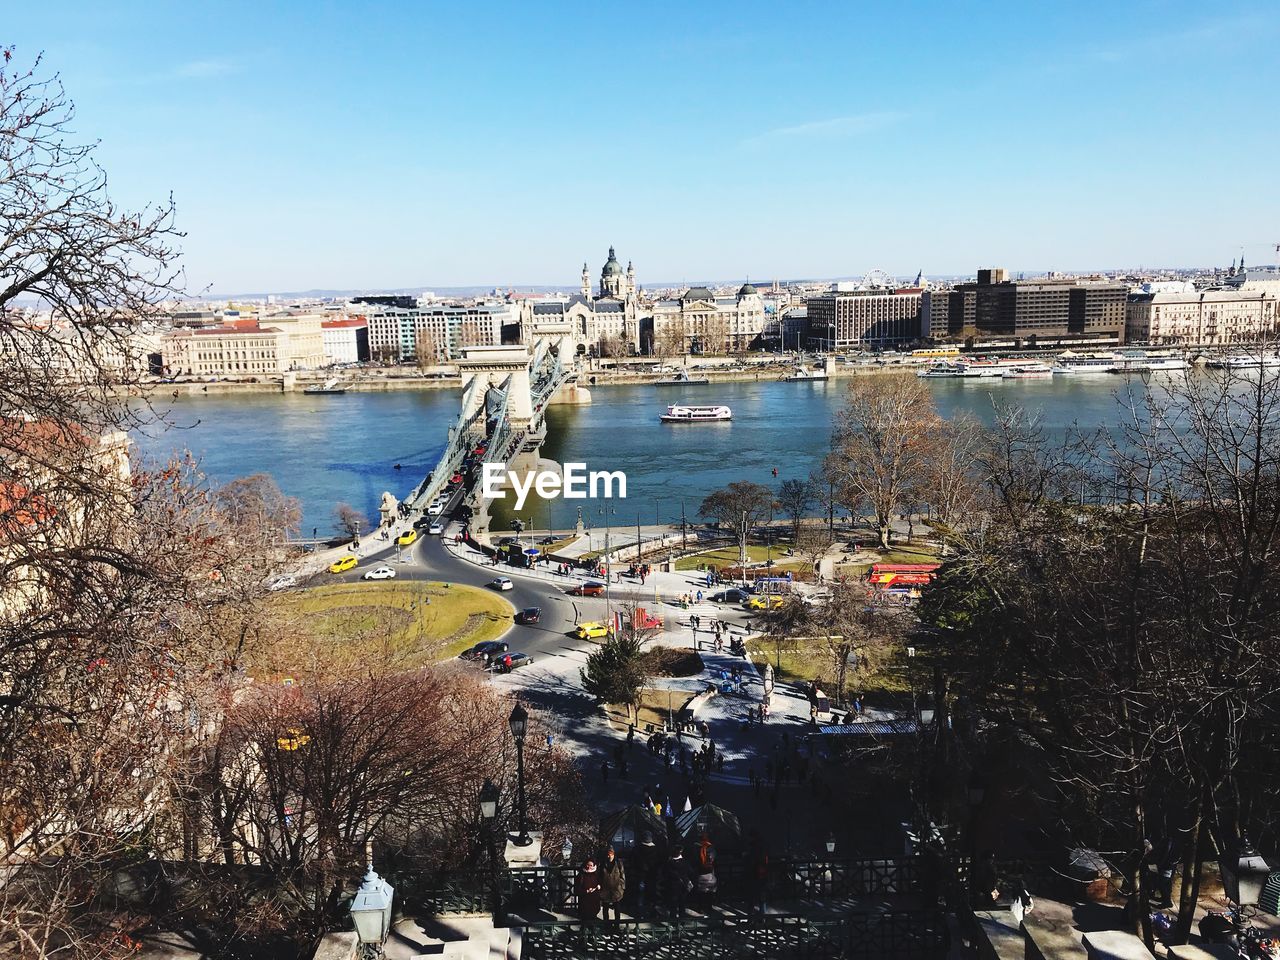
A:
(886, 576)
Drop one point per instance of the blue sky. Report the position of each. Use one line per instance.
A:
(363, 145)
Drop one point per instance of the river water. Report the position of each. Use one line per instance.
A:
(325, 449)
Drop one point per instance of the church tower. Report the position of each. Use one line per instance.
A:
(586, 282)
(611, 278)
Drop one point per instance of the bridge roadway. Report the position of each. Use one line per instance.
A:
(485, 419)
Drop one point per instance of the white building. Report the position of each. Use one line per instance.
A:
(433, 332)
(701, 322)
(346, 339)
(1206, 317)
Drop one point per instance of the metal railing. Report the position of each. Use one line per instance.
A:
(914, 935)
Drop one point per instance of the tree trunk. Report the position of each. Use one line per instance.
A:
(1192, 862)
(885, 531)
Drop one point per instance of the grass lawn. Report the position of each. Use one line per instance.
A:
(411, 623)
(728, 557)
(654, 706)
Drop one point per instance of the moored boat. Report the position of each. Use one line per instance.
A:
(329, 386)
(1244, 361)
(1028, 371)
(1076, 364)
(682, 379)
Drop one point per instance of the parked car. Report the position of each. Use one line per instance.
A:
(765, 601)
(483, 652)
(501, 583)
(591, 588)
(732, 595)
(282, 582)
(380, 573)
(507, 662)
(407, 538)
(343, 564)
(529, 615)
(591, 630)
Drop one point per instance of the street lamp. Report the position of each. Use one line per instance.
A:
(566, 850)
(371, 913)
(831, 844)
(488, 813)
(519, 723)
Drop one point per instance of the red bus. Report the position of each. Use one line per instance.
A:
(884, 575)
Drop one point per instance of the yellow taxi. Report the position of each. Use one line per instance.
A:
(591, 630)
(407, 538)
(343, 564)
(762, 601)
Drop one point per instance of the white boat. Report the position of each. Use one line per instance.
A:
(1028, 371)
(1244, 361)
(681, 379)
(804, 373)
(1140, 363)
(1077, 364)
(690, 413)
(329, 386)
(940, 369)
(977, 367)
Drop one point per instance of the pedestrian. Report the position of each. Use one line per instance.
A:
(647, 865)
(720, 763)
(757, 871)
(613, 884)
(588, 888)
(631, 736)
(706, 884)
(604, 770)
(622, 767)
(676, 884)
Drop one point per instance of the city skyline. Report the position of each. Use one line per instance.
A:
(400, 148)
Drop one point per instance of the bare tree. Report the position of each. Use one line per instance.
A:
(349, 521)
(739, 507)
(795, 497)
(882, 446)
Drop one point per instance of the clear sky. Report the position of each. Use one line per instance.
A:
(361, 145)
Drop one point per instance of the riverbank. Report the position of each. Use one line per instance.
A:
(385, 384)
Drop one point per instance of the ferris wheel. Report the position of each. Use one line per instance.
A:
(877, 278)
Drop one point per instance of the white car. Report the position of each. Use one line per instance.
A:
(435, 529)
(502, 583)
(435, 509)
(380, 573)
(282, 582)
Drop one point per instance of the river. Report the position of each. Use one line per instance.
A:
(329, 448)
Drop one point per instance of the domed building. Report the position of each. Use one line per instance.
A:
(699, 321)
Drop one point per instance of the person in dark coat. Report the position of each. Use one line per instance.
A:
(588, 892)
(613, 884)
(647, 868)
(676, 883)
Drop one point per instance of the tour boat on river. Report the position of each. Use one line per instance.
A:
(691, 413)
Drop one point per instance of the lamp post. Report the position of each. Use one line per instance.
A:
(519, 723)
(488, 815)
(371, 914)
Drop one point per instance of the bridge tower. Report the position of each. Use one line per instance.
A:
(494, 365)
